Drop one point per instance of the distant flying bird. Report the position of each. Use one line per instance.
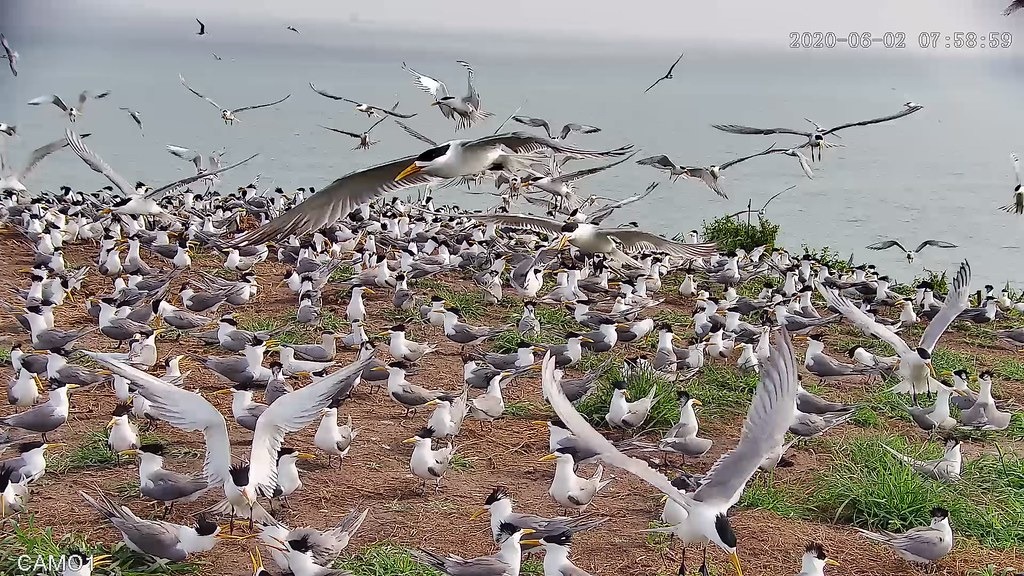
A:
(364, 138)
(215, 57)
(229, 115)
(73, 112)
(371, 111)
(10, 55)
(667, 76)
(292, 28)
(202, 28)
(1013, 7)
(135, 116)
(886, 244)
(707, 174)
(1018, 194)
(570, 127)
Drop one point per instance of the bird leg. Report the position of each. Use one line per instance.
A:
(682, 563)
(704, 563)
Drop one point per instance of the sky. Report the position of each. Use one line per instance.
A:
(722, 23)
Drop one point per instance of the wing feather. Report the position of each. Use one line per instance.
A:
(857, 316)
(42, 152)
(956, 302)
(192, 90)
(244, 108)
(634, 240)
(737, 129)
(96, 163)
(900, 114)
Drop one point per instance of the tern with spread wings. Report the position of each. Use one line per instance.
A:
(229, 115)
(73, 112)
(886, 244)
(369, 110)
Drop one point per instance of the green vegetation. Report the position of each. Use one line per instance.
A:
(27, 539)
(664, 413)
(520, 410)
(342, 273)
(763, 492)
(291, 335)
(828, 257)
(469, 302)
(5, 355)
(866, 486)
(94, 453)
(1009, 370)
(385, 559)
(459, 463)
(732, 233)
(722, 389)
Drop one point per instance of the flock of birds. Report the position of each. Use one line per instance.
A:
(142, 239)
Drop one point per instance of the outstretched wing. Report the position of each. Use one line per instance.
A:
(243, 109)
(673, 66)
(767, 150)
(534, 122)
(634, 240)
(524, 221)
(1016, 167)
(574, 176)
(198, 176)
(861, 320)
(936, 243)
(885, 245)
(192, 90)
(42, 152)
(426, 83)
(661, 161)
(955, 303)
(49, 99)
(737, 129)
(346, 133)
(900, 114)
(415, 134)
(97, 163)
(331, 96)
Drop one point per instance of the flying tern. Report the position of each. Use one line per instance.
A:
(229, 115)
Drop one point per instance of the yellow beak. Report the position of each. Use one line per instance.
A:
(585, 339)
(531, 542)
(305, 456)
(696, 402)
(409, 170)
(131, 452)
(831, 562)
(478, 513)
(410, 440)
(224, 391)
(548, 458)
(112, 423)
(528, 531)
(379, 369)
(368, 291)
(735, 561)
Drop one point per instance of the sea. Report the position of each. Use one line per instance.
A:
(941, 173)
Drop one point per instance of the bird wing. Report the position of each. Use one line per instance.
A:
(244, 108)
(525, 143)
(290, 413)
(352, 134)
(955, 303)
(920, 542)
(415, 134)
(661, 161)
(97, 163)
(202, 27)
(673, 66)
(331, 96)
(374, 125)
(653, 85)
(426, 83)
(192, 90)
(581, 128)
(42, 152)
(182, 409)
(705, 176)
(198, 176)
(737, 129)
(586, 434)
(936, 243)
(768, 419)
(1016, 167)
(187, 154)
(854, 314)
(886, 244)
(534, 122)
(335, 201)
(574, 176)
(634, 240)
(82, 98)
(392, 112)
(472, 97)
(527, 221)
(607, 209)
(49, 99)
(900, 114)
(767, 150)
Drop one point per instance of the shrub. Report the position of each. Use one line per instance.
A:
(731, 233)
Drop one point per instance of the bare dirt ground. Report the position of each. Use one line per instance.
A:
(376, 475)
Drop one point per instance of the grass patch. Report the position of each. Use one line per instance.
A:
(5, 355)
(664, 413)
(342, 273)
(763, 493)
(27, 539)
(470, 303)
(865, 486)
(94, 453)
(385, 559)
(331, 321)
(1009, 370)
(946, 360)
(658, 540)
(459, 463)
(722, 389)
(292, 335)
(520, 410)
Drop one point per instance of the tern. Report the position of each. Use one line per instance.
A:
(466, 110)
(369, 110)
(768, 419)
(815, 139)
(14, 179)
(10, 55)
(505, 563)
(135, 116)
(556, 554)
(667, 76)
(886, 244)
(1017, 206)
(191, 412)
(707, 174)
(164, 485)
(72, 111)
(814, 560)
(915, 364)
(921, 545)
(449, 160)
(202, 28)
(364, 138)
(1010, 9)
(563, 133)
(945, 469)
(592, 239)
(229, 115)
